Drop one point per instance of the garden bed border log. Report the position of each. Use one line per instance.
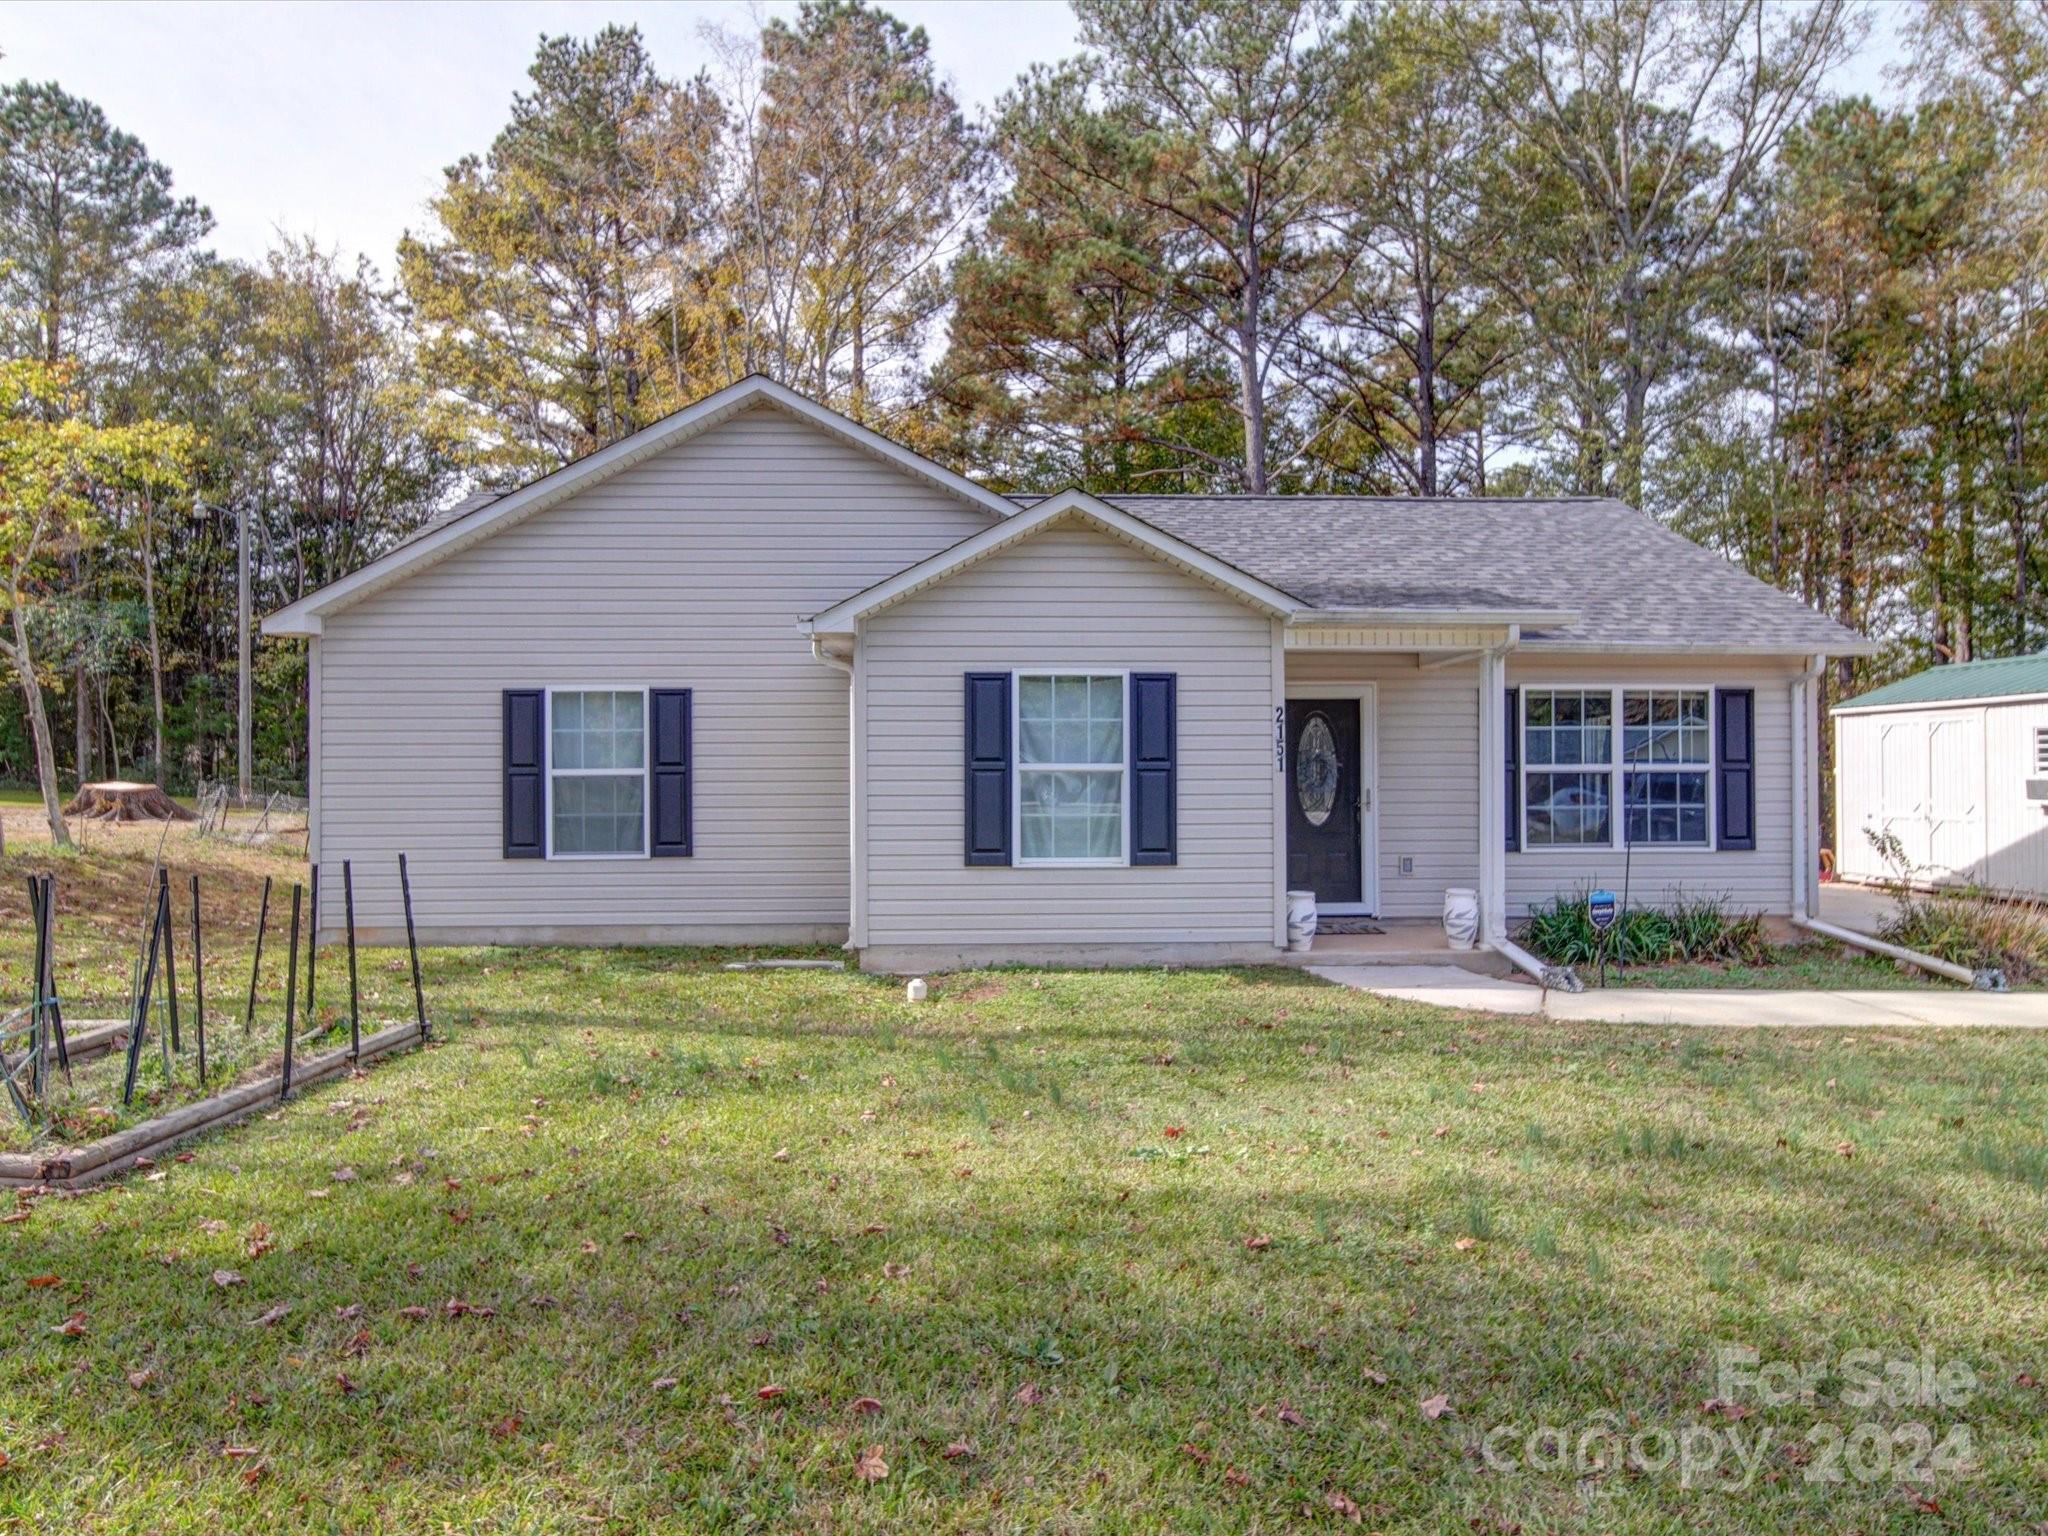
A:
(76, 1167)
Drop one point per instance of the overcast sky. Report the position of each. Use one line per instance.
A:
(336, 120)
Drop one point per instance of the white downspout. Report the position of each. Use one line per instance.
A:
(1806, 845)
(853, 872)
(1805, 789)
(819, 653)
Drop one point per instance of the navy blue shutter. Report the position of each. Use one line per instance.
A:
(526, 750)
(669, 712)
(1513, 752)
(1153, 789)
(988, 768)
(1735, 768)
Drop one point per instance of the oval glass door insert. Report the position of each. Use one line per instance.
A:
(1315, 770)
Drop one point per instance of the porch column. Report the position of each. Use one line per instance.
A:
(1493, 772)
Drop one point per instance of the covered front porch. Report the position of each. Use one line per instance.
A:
(1395, 783)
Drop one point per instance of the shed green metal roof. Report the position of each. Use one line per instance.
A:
(2008, 678)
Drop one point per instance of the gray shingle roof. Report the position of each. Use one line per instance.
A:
(1631, 580)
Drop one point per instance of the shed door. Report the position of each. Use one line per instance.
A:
(1955, 792)
(1902, 788)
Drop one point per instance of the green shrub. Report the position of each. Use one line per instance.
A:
(1964, 925)
(1692, 929)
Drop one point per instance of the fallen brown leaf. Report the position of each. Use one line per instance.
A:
(1344, 1507)
(1258, 1241)
(140, 1379)
(227, 1277)
(72, 1327)
(957, 1449)
(1436, 1407)
(867, 1405)
(871, 1467)
(506, 1427)
(1028, 1394)
(769, 1393)
(43, 1282)
(274, 1316)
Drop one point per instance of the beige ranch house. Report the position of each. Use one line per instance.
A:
(760, 675)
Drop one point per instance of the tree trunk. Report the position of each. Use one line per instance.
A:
(156, 654)
(1251, 396)
(120, 800)
(39, 731)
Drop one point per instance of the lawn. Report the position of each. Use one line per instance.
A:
(1808, 965)
(646, 1244)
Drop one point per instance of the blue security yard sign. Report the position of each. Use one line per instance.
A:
(1600, 910)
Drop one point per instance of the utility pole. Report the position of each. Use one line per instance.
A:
(242, 687)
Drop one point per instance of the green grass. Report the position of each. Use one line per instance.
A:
(1232, 1230)
(1825, 967)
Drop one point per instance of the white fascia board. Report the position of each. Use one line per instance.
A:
(1898, 706)
(302, 617)
(1067, 505)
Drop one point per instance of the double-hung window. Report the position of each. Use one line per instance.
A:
(1667, 758)
(1568, 747)
(597, 773)
(1574, 757)
(1071, 789)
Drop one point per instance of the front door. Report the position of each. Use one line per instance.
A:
(1325, 801)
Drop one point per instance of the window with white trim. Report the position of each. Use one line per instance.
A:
(1070, 768)
(1568, 779)
(1667, 755)
(597, 773)
(1573, 756)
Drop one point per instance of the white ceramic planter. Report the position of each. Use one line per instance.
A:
(1461, 916)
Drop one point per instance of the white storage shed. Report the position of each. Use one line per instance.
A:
(1954, 762)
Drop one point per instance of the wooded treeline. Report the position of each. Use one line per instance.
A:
(1417, 247)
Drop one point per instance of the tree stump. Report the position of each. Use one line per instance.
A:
(120, 800)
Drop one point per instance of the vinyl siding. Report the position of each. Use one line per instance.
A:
(690, 569)
(1069, 598)
(1428, 793)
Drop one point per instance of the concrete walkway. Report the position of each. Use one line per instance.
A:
(1446, 986)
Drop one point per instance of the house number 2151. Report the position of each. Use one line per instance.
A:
(1280, 738)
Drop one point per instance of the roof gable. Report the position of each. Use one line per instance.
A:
(1069, 506)
(479, 517)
